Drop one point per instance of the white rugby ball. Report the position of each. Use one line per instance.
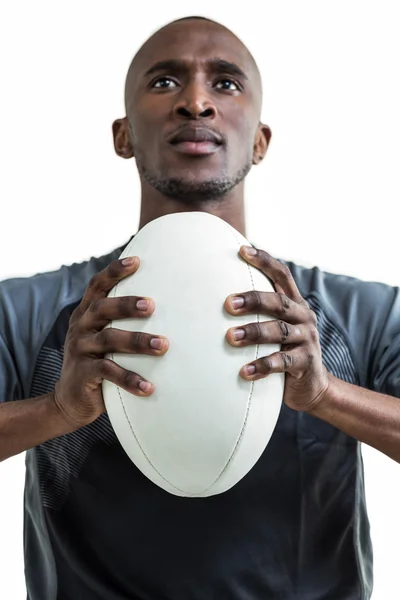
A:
(204, 427)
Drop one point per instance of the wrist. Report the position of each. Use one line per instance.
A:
(327, 400)
(65, 420)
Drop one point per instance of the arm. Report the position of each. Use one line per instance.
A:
(28, 423)
(368, 313)
(365, 415)
(77, 398)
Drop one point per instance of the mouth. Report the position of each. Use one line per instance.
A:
(199, 148)
(198, 141)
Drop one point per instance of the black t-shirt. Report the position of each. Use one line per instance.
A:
(294, 528)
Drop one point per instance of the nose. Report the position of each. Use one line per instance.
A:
(195, 103)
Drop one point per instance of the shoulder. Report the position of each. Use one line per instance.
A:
(343, 293)
(48, 292)
(30, 308)
(367, 313)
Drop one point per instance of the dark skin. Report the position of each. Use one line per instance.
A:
(214, 81)
(200, 95)
(196, 91)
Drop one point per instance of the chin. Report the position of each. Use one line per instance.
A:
(186, 189)
(196, 182)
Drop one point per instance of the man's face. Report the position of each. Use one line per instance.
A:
(190, 81)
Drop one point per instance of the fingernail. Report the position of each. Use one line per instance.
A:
(145, 386)
(127, 262)
(250, 251)
(250, 369)
(237, 301)
(238, 334)
(142, 304)
(157, 343)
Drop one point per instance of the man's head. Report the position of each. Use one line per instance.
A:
(192, 81)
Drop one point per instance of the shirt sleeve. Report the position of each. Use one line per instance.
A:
(367, 314)
(385, 356)
(28, 307)
(370, 315)
(16, 338)
(10, 387)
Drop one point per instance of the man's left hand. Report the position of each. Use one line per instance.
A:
(307, 379)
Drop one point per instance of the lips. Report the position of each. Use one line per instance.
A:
(195, 141)
(195, 134)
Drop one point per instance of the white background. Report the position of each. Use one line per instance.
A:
(327, 193)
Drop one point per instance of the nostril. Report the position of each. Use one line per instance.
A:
(184, 112)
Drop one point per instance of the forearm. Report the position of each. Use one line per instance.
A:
(28, 423)
(365, 415)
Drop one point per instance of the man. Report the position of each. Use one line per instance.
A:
(295, 527)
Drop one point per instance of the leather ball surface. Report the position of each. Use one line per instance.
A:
(204, 427)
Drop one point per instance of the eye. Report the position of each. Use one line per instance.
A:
(229, 82)
(162, 82)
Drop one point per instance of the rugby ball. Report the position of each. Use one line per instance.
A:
(204, 427)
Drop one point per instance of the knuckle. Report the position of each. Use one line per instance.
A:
(75, 315)
(314, 318)
(254, 332)
(105, 337)
(266, 258)
(93, 281)
(297, 333)
(73, 328)
(96, 306)
(310, 359)
(140, 339)
(114, 269)
(266, 365)
(129, 379)
(287, 360)
(286, 272)
(314, 335)
(125, 304)
(255, 300)
(284, 330)
(74, 345)
(284, 303)
(105, 367)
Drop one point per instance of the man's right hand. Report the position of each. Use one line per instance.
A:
(78, 393)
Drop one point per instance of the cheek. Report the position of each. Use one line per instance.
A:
(243, 132)
(147, 124)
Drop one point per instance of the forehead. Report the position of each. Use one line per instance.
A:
(193, 41)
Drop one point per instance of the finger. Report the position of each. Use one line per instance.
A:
(128, 380)
(101, 283)
(294, 362)
(117, 340)
(266, 332)
(277, 272)
(270, 303)
(103, 310)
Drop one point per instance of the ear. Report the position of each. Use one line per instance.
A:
(263, 137)
(122, 140)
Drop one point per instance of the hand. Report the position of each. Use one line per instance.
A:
(78, 392)
(307, 379)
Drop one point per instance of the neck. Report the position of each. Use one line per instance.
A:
(230, 207)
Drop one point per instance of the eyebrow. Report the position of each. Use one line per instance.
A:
(218, 64)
